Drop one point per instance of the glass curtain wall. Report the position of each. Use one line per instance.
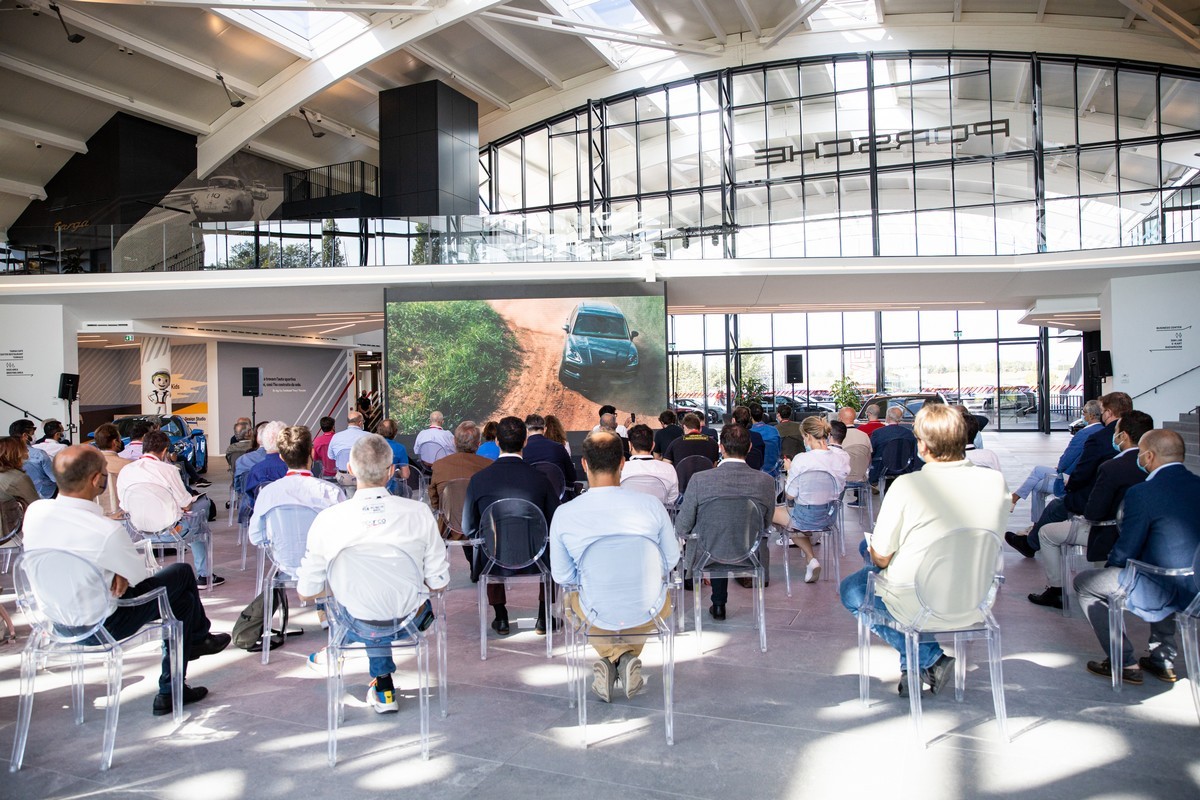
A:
(986, 360)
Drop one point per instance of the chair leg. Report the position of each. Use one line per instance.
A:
(333, 668)
(423, 692)
(268, 610)
(25, 709)
(787, 563)
(483, 617)
(960, 665)
(77, 687)
(914, 687)
(112, 710)
(1191, 655)
(864, 661)
(1064, 576)
(176, 653)
(760, 610)
(697, 590)
(997, 670)
(548, 610)
(443, 688)
(1116, 640)
(668, 640)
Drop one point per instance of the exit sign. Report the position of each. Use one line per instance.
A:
(129, 337)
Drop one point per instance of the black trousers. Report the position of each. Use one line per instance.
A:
(180, 582)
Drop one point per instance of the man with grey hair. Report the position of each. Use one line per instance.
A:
(435, 441)
(1044, 482)
(890, 432)
(458, 466)
(373, 516)
(340, 444)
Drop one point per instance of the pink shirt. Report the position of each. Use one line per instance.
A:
(321, 452)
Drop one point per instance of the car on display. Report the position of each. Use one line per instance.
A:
(686, 405)
(598, 346)
(911, 402)
(187, 443)
(1014, 403)
(800, 408)
(226, 198)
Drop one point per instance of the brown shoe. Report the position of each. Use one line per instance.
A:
(1158, 669)
(1130, 675)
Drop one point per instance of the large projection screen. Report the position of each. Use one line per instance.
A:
(486, 352)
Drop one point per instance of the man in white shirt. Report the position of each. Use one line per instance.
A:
(374, 516)
(51, 442)
(74, 523)
(641, 462)
(608, 511)
(435, 441)
(340, 444)
(152, 493)
(298, 487)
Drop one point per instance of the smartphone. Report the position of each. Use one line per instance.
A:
(632, 416)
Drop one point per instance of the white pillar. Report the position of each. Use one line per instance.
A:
(156, 375)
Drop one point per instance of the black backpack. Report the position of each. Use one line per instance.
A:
(247, 631)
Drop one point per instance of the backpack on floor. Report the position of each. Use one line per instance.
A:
(247, 631)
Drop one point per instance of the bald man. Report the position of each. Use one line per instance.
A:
(435, 441)
(73, 522)
(1160, 527)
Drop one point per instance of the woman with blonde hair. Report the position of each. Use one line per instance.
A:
(811, 511)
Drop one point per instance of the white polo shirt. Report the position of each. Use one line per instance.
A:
(157, 510)
(649, 465)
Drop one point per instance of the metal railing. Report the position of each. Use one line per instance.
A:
(1156, 387)
(331, 180)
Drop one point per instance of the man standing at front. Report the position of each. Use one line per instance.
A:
(376, 517)
(73, 522)
(608, 511)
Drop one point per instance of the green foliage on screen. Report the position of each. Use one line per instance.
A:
(454, 357)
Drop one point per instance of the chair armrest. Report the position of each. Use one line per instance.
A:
(1141, 566)
(159, 594)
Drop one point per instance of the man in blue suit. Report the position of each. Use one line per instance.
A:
(892, 430)
(508, 477)
(1160, 527)
(538, 448)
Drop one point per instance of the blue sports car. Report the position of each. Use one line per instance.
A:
(187, 443)
(599, 345)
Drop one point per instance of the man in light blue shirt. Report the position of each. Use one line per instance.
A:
(342, 441)
(1045, 481)
(38, 466)
(607, 511)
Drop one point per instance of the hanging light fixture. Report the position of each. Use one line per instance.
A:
(230, 95)
(316, 133)
(73, 38)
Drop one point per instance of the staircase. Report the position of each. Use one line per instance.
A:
(1188, 427)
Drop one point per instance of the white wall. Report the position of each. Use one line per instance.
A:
(37, 345)
(1153, 331)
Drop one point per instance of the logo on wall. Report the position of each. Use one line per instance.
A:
(856, 145)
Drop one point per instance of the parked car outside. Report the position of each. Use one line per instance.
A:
(911, 402)
(800, 408)
(599, 345)
(187, 443)
(686, 405)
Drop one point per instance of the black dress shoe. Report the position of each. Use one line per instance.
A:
(209, 645)
(687, 584)
(163, 704)
(500, 625)
(1051, 598)
(539, 627)
(717, 611)
(1103, 669)
(1019, 543)
(1158, 669)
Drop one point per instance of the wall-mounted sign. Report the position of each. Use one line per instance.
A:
(852, 145)
(1171, 337)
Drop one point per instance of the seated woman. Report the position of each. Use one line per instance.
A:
(488, 447)
(811, 511)
(16, 485)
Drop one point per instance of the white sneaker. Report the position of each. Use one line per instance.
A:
(813, 573)
(383, 702)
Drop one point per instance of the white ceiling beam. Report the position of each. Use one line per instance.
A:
(603, 49)
(957, 11)
(468, 82)
(878, 12)
(28, 190)
(796, 18)
(280, 98)
(650, 14)
(747, 13)
(285, 157)
(547, 22)
(710, 20)
(1041, 10)
(35, 134)
(514, 49)
(122, 101)
(1160, 15)
(1129, 18)
(146, 47)
(350, 6)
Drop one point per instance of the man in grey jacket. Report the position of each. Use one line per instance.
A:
(731, 478)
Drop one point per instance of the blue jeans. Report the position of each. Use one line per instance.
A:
(192, 524)
(379, 648)
(854, 590)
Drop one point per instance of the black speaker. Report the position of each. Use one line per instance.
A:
(794, 368)
(68, 386)
(251, 381)
(1100, 363)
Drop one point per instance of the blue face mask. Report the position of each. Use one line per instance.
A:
(1116, 446)
(1142, 466)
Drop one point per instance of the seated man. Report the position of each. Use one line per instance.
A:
(1113, 479)
(733, 477)
(241, 430)
(921, 508)
(340, 444)
(321, 448)
(641, 441)
(1160, 527)
(435, 441)
(603, 512)
(149, 514)
(977, 455)
(73, 523)
(374, 516)
(539, 449)
(872, 423)
(459, 465)
(507, 477)
(51, 442)
(791, 441)
(880, 438)
(37, 465)
(297, 487)
(137, 430)
(1045, 482)
(241, 444)
(669, 432)
(756, 456)
(772, 442)
(388, 430)
(108, 441)
(692, 443)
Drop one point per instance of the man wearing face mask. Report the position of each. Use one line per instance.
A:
(1113, 479)
(1160, 527)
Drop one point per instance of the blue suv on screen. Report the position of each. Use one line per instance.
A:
(599, 345)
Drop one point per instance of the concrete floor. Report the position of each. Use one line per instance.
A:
(786, 723)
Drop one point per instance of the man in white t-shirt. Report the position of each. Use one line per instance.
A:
(73, 522)
(374, 516)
